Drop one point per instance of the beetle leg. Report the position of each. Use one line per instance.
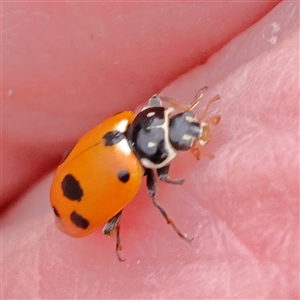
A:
(173, 102)
(215, 98)
(112, 227)
(152, 189)
(198, 151)
(185, 107)
(163, 175)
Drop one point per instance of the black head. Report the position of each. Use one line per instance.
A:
(184, 130)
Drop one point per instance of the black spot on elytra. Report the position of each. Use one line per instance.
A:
(123, 176)
(71, 188)
(113, 137)
(56, 212)
(79, 221)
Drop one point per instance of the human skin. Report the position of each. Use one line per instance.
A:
(66, 67)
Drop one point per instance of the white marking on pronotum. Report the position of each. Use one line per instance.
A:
(151, 145)
(150, 114)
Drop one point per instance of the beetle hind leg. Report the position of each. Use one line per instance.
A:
(112, 227)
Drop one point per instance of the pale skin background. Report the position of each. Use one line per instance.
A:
(67, 66)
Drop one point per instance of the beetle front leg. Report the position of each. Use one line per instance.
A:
(112, 227)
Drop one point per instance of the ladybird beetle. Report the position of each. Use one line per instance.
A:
(103, 171)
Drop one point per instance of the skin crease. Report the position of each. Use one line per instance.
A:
(241, 207)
